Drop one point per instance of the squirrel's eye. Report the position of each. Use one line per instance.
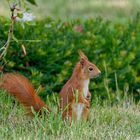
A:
(90, 69)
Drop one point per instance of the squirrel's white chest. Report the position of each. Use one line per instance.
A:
(85, 88)
(80, 107)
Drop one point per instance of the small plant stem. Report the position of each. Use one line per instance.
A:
(10, 32)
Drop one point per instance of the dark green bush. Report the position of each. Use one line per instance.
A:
(52, 46)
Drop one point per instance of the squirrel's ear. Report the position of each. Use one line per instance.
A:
(82, 55)
(82, 62)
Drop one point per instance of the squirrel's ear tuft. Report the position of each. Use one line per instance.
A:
(82, 62)
(82, 55)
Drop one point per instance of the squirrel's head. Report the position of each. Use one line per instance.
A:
(89, 69)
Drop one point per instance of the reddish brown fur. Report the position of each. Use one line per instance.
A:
(19, 87)
(76, 82)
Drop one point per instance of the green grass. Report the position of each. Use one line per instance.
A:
(116, 122)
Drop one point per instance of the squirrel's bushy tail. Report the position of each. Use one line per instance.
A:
(20, 87)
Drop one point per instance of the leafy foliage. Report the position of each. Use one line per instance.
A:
(32, 2)
(52, 46)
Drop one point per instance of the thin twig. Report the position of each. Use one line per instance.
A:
(10, 32)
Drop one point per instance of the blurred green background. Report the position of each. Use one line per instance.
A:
(107, 31)
(68, 9)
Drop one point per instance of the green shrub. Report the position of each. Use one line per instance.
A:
(52, 46)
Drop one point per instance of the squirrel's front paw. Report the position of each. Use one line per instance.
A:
(87, 104)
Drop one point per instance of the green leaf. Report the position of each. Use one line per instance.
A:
(20, 15)
(32, 2)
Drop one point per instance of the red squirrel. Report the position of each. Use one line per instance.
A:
(19, 87)
(78, 84)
